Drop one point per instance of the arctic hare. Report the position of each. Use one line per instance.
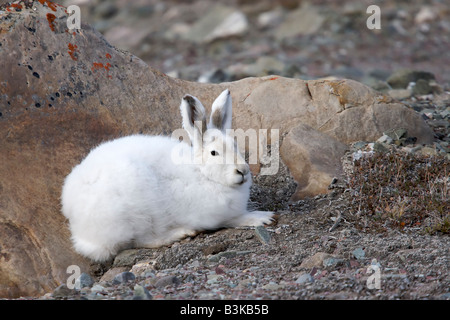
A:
(131, 192)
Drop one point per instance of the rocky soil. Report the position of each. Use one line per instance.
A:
(321, 247)
(315, 250)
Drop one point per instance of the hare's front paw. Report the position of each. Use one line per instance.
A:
(254, 219)
(170, 237)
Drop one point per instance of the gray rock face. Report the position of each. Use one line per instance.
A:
(63, 91)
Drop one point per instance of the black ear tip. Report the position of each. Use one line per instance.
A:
(189, 99)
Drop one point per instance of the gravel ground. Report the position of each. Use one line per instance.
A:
(305, 254)
(298, 258)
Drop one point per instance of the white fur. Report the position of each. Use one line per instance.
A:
(130, 193)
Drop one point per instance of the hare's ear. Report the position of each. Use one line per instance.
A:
(193, 114)
(221, 112)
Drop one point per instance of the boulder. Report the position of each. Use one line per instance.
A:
(61, 93)
(313, 158)
(64, 91)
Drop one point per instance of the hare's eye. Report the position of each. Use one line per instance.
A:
(214, 153)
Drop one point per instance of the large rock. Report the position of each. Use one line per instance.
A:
(62, 92)
(313, 158)
(318, 118)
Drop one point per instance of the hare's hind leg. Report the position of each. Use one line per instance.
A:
(96, 252)
(253, 219)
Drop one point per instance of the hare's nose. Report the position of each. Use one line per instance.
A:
(242, 171)
(243, 174)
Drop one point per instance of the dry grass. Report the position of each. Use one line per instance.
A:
(402, 190)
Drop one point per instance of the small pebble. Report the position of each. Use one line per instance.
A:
(124, 277)
(263, 234)
(227, 254)
(84, 280)
(98, 288)
(359, 253)
(63, 291)
(167, 281)
(332, 262)
(304, 278)
(141, 293)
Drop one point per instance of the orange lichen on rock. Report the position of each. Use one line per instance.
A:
(98, 65)
(17, 7)
(73, 48)
(49, 4)
(51, 18)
